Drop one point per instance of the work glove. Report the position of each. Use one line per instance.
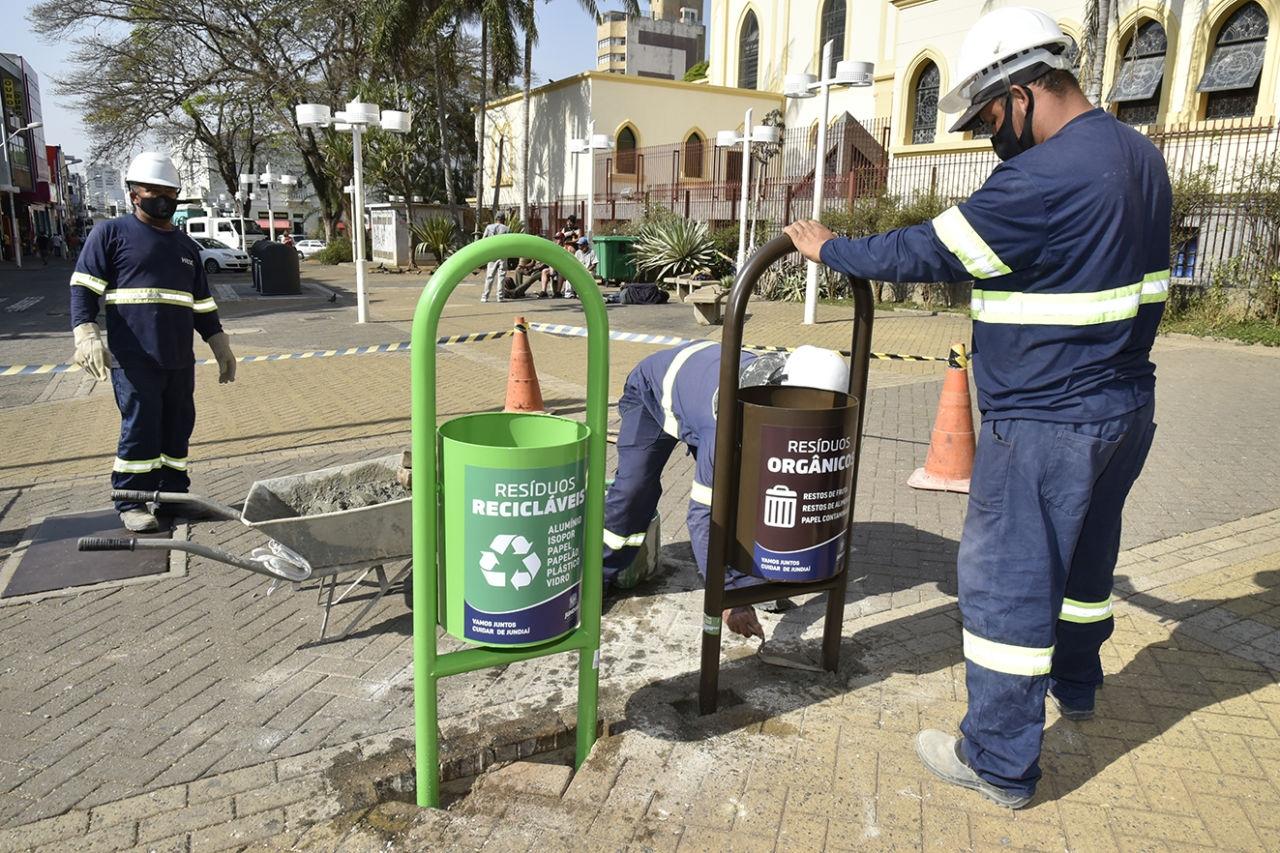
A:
(91, 352)
(221, 347)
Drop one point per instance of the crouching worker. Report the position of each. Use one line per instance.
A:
(670, 398)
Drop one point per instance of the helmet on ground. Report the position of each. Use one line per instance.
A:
(153, 168)
(815, 367)
(1006, 47)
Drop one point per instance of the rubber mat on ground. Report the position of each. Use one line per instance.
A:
(51, 561)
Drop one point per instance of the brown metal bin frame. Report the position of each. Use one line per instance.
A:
(724, 498)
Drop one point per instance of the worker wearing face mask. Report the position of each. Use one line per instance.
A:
(1067, 244)
(150, 279)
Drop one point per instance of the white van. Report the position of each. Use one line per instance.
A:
(225, 231)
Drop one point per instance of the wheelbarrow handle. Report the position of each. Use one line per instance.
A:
(212, 507)
(100, 543)
(105, 543)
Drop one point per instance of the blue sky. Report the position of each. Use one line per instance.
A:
(567, 46)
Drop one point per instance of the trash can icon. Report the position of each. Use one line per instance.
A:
(780, 507)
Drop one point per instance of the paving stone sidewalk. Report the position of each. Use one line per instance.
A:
(1184, 753)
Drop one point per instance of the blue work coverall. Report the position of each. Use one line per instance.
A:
(156, 296)
(1068, 247)
(669, 398)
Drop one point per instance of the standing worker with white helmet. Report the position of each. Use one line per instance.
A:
(669, 399)
(151, 280)
(1068, 245)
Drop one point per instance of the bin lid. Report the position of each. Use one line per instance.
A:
(615, 238)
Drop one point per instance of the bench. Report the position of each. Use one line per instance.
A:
(708, 304)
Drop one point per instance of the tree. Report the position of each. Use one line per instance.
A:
(1098, 18)
(528, 22)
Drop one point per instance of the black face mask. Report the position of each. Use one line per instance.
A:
(1004, 141)
(158, 206)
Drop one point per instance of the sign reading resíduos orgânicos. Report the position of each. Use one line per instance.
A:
(806, 477)
(524, 537)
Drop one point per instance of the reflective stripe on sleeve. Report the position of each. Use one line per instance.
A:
(967, 245)
(699, 493)
(91, 282)
(618, 542)
(135, 466)
(1001, 657)
(1155, 287)
(177, 464)
(669, 423)
(1056, 309)
(205, 306)
(149, 296)
(1085, 612)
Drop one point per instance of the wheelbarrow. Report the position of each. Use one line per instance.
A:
(321, 524)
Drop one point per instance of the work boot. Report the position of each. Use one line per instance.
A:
(139, 521)
(941, 753)
(1070, 713)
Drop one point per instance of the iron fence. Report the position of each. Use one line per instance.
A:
(1224, 164)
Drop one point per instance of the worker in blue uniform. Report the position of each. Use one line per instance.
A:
(670, 398)
(150, 278)
(1068, 247)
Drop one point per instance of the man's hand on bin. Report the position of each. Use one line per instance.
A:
(809, 235)
(221, 347)
(742, 620)
(91, 352)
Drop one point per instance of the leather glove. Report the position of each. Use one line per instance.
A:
(91, 352)
(221, 347)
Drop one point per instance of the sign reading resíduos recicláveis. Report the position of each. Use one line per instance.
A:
(523, 553)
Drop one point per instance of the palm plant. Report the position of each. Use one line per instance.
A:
(436, 235)
(674, 247)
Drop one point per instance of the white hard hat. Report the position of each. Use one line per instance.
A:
(1007, 46)
(152, 167)
(815, 367)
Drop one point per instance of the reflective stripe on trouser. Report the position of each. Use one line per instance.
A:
(1042, 531)
(157, 414)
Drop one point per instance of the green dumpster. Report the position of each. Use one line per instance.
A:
(513, 528)
(614, 255)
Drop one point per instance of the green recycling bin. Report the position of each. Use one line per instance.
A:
(513, 502)
(614, 255)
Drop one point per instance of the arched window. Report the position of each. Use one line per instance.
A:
(1231, 77)
(924, 105)
(1136, 92)
(626, 150)
(833, 17)
(693, 155)
(748, 52)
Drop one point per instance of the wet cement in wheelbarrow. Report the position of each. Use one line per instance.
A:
(330, 496)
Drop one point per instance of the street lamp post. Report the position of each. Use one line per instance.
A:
(589, 145)
(847, 73)
(13, 188)
(269, 178)
(728, 139)
(358, 117)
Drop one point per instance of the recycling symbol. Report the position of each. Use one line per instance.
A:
(506, 552)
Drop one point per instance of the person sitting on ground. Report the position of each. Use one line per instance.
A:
(587, 258)
(570, 230)
(550, 277)
(518, 280)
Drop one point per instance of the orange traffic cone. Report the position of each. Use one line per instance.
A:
(523, 392)
(949, 463)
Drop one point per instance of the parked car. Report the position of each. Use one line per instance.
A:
(217, 257)
(307, 248)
